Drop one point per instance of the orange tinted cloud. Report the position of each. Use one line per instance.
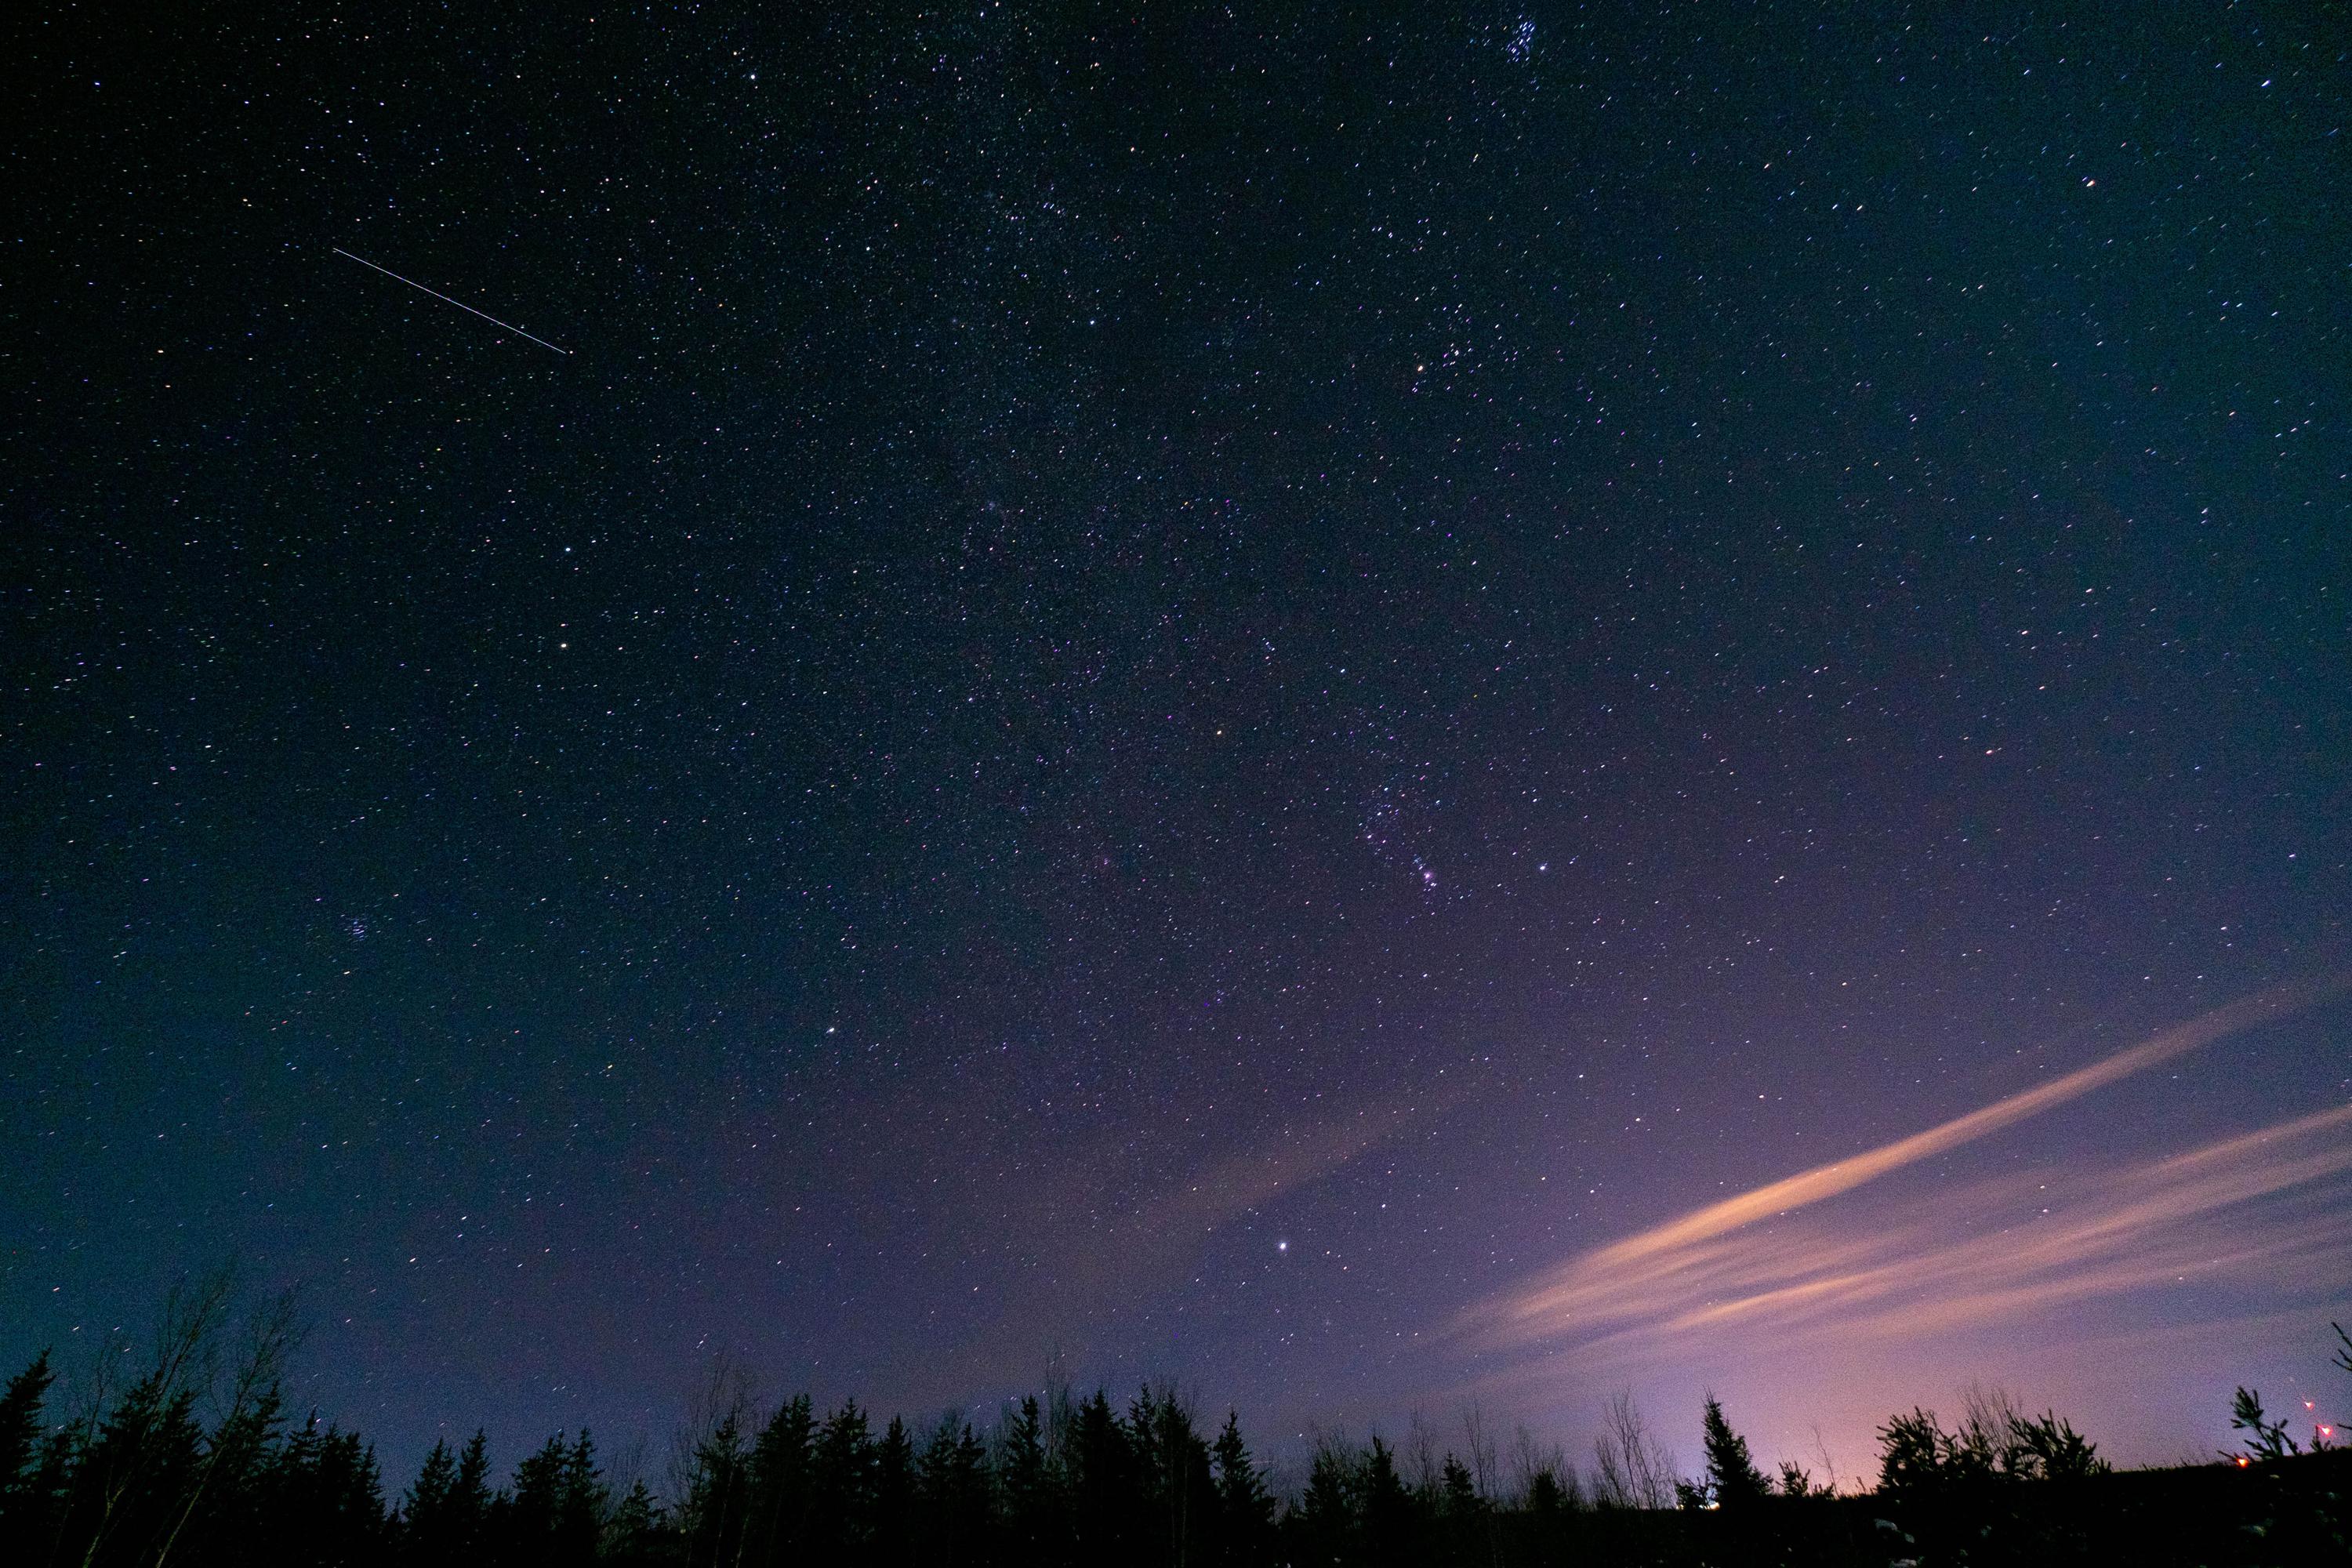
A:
(1991, 1251)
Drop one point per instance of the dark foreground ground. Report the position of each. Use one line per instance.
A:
(2292, 1512)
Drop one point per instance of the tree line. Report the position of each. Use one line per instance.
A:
(196, 1460)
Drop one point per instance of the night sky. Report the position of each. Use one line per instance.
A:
(1208, 693)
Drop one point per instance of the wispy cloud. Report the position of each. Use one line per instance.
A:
(1758, 1263)
(1302, 1153)
(1106, 1249)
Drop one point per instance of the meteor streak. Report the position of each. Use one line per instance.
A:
(445, 299)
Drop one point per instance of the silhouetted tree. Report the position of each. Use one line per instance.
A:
(894, 1495)
(1174, 1489)
(1459, 1491)
(1325, 1521)
(1538, 1469)
(1796, 1482)
(556, 1511)
(1102, 1481)
(1733, 1481)
(841, 1522)
(42, 1504)
(634, 1536)
(1391, 1514)
(716, 1500)
(952, 1477)
(20, 1430)
(132, 1478)
(1244, 1506)
(424, 1514)
(323, 1499)
(1630, 1468)
(1992, 1443)
(1915, 1453)
(777, 1511)
(132, 1474)
(527, 1514)
(585, 1501)
(2266, 1439)
(2047, 1447)
(1023, 1482)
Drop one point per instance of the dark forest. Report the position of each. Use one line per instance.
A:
(197, 1458)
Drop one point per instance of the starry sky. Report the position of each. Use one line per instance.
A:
(1370, 708)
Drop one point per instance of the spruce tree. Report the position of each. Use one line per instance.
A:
(1326, 1516)
(1392, 1519)
(1245, 1508)
(1103, 1491)
(975, 1494)
(632, 1538)
(230, 1497)
(717, 1499)
(1023, 1479)
(322, 1500)
(842, 1506)
(133, 1479)
(425, 1514)
(20, 1427)
(952, 1476)
(1458, 1490)
(469, 1497)
(1732, 1478)
(581, 1502)
(1179, 1488)
(780, 1483)
(530, 1514)
(463, 1515)
(894, 1496)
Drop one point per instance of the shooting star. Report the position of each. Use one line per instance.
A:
(445, 299)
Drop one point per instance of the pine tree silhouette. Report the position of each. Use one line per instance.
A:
(469, 1496)
(423, 1523)
(555, 1511)
(1324, 1519)
(1391, 1518)
(1023, 1481)
(582, 1500)
(20, 1429)
(528, 1519)
(634, 1537)
(134, 1475)
(1458, 1491)
(1102, 1483)
(1733, 1481)
(779, 1512)
(1244, 1506)
(842, 1512)
(1175, 1493)
(322, 1499)
(894, 1496)
(717, 1503)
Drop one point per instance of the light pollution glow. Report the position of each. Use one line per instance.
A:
(1755, 1276)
